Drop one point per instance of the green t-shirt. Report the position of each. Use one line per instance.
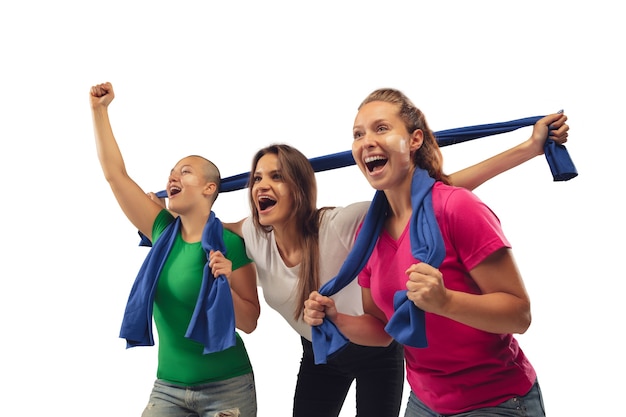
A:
(181, 360)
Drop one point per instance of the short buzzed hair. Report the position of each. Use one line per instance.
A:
(211, 173)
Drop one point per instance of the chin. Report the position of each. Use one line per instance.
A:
(264, 221)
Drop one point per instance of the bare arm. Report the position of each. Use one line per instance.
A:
(243, 289)
(502, 307)
(550, 127)
(367, 329)
(236, 228)
(137, 206)
(245, 297)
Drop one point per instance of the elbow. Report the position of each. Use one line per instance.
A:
(525, 324)
(387, 342)
(248, 327)
(116, 178)
(250, 324)
(524, 320)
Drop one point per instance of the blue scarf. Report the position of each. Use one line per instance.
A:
(213, 321)
(559, 160)
(407, 323)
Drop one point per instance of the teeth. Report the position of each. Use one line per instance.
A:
(374, 161)
(265, 202)
(374, 158)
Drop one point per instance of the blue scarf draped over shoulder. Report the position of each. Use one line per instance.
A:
(407, 324)
(213, 321)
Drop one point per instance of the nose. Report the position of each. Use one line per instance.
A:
(172, 177)
(261, 184)
(367, 141)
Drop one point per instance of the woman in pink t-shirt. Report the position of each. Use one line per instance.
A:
(474, 301)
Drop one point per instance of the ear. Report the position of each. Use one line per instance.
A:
(210, 188)
(416, 140)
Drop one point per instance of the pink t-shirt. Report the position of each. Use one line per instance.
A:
(462, 368)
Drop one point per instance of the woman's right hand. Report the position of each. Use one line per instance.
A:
(101, 95)
(318, 307)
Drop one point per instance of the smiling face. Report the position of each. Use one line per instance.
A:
(190, 183)
(271, 195)
(382, 147)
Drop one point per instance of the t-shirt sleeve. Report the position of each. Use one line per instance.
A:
(162, 220)
(344, 221)
(235, 250)
(473, 229)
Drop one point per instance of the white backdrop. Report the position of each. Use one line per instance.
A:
(223, 79)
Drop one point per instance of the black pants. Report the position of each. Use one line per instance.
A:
(379, 373)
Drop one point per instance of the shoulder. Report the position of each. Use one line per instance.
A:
(461, 212)
(451, 200)
(339, 225)
(235, 249)
(460, 208)
(453, 194)
(233, 242)
(349, 213)
(252, 235)
(161, 222)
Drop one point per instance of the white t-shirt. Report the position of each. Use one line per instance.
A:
(279, 282)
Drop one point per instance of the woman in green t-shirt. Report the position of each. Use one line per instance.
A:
(189, 381)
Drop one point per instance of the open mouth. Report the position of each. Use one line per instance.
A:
(174, 190)
(374, 163)
(266, 202)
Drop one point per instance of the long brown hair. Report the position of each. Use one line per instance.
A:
(428, 156)
(298, 174)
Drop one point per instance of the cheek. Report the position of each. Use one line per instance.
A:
(356, 155)
(190, 180)
(284, 192)
(400, 145)
(355, 149)
(397, 143)
(357, 152)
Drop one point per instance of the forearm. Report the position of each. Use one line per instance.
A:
(364, 330)
(245, 297)
(236, 228)
(246, 313)
(475, 175)
(500, 313)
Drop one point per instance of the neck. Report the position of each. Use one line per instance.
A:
(288, 242)
(192, 226)
(400, 209)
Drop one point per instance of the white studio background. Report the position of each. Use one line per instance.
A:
(223, 79)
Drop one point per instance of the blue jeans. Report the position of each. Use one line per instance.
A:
(378, 371)
(234, 397)
(530, 405)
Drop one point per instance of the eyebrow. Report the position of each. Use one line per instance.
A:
(373, 123)
(274, 171)
(181, 168)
